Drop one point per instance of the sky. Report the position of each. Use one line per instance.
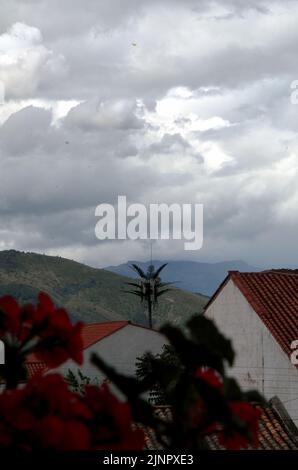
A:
(164, 101)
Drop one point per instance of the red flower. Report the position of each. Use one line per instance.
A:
(59, 340)
(112, 421)
(51, 393)
(56, 433)
(210, 376)
(249, 416)
(9, 315)
(43, 329)
(45, 414)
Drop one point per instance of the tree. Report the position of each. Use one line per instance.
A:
(78, 381)
(146, 370)
(149, 287)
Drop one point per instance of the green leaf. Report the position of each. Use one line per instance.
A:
(158, 271)
(134, 284)
(161, 292)
(131, 388)
(232, 389)
(253, 396)
(192, 355)
(203, 331)
(137, 269)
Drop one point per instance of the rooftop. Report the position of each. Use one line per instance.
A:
(98, 331)
(274, 297)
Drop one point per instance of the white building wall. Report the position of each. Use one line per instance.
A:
(120, 350)
(260, 362)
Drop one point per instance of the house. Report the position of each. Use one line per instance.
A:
(259, 313)
(119, 343)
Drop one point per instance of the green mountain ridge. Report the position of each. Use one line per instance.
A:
(89, 294)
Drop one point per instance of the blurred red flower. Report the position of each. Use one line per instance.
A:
(44, 329)
(116, 431)
(59, 339)
(9, 315)
(210, 376)
(249, 416)
(45, 414)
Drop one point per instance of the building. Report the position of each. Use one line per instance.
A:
(259, 313)
(119, 343)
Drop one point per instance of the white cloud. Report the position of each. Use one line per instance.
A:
(23, 59)
(111, 114)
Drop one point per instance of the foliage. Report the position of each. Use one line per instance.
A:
(145, 370)
(78, 381)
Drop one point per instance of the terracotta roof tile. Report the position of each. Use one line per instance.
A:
(97, 331)
(35, 368)
(274, 297)
(276, 429)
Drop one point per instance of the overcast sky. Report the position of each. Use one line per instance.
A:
(160, 100)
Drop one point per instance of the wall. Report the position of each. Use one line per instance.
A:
(260, 362)
(119, 350)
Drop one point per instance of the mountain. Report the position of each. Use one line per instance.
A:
(193, 276)
(89, 294)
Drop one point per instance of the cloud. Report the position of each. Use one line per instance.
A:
(23, 60)
(105, 115)
(163, 101)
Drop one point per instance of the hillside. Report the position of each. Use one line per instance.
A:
(191, 275)
(89, 294)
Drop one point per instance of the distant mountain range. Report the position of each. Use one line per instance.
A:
(89, 294)
(203, 278)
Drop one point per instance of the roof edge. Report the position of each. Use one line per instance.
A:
(218, 291)
(124, 323)
(281, 411)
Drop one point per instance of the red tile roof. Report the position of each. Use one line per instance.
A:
(274, 297)
(35, 368)
(98, 331)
